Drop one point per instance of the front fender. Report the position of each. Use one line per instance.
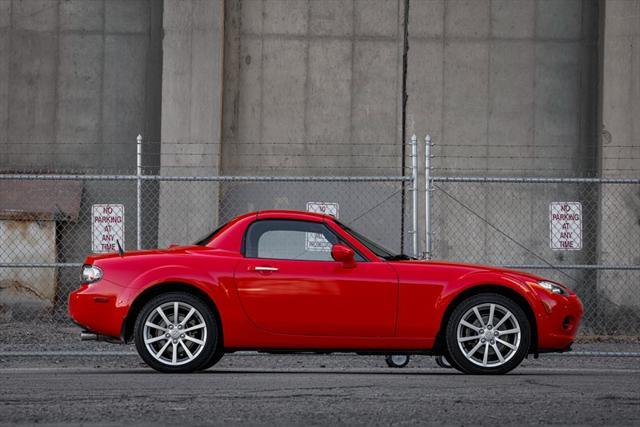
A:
(484, 278)
(476, 280)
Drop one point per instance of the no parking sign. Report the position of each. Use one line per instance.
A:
(107, 226)
(565, 226)
(314, 241)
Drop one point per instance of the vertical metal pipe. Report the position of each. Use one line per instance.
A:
(139, 192)
(427, 197)
(414, 193)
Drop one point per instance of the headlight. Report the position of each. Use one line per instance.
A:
(90, 274)
(553, 287)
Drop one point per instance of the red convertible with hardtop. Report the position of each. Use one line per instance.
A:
(290, 281)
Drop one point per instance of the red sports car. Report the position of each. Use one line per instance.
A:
(291, 281)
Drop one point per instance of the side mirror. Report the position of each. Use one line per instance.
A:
(343, 254)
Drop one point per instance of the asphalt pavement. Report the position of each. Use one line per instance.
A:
(316, 390)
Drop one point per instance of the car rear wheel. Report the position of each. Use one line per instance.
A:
(487, 334)
(176, 332)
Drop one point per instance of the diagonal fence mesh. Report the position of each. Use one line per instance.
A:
(595, 250)
(503, 222)
(41, 254)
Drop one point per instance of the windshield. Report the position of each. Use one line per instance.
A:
(204, 240)
(374, 247)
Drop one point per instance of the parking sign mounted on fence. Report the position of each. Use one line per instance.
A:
(565, 226)
(107, 228)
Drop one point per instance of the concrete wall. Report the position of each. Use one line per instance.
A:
(313, 87)
(310, 87)
(318, 76)
(191, 117)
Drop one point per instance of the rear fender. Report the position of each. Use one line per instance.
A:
(216, 288)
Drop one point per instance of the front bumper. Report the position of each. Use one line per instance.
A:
(558, 322)
(99, 308)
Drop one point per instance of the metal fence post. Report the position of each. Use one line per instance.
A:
(427, 197)
(139, 192)
(414, 194)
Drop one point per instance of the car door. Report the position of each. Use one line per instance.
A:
(288, 283)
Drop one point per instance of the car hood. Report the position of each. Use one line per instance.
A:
(470, 268)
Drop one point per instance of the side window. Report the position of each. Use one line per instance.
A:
(286, 239)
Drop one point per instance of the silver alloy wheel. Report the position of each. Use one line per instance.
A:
(489, 335)
(175, 333)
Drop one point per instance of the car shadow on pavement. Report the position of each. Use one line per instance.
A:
(358, 372)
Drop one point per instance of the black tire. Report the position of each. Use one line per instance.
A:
(443, 362)
(397, 360)
(495, 361)
(200, 353)
(215, 358)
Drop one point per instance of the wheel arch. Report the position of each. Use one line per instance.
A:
(164, 287)
(482, 289)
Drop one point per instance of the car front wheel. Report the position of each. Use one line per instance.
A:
(176, 332)
(487, 334)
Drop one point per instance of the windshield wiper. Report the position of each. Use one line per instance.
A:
(399, 257)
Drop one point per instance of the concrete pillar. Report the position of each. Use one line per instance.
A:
(306, 81)
(619, 242)
(191, 117)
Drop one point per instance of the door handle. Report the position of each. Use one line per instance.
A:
(264, 268)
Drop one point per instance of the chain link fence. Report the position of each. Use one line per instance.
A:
(45, 242)
(497, 221)
(583, 232)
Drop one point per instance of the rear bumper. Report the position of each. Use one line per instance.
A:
(559, 323)
(97, 308)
